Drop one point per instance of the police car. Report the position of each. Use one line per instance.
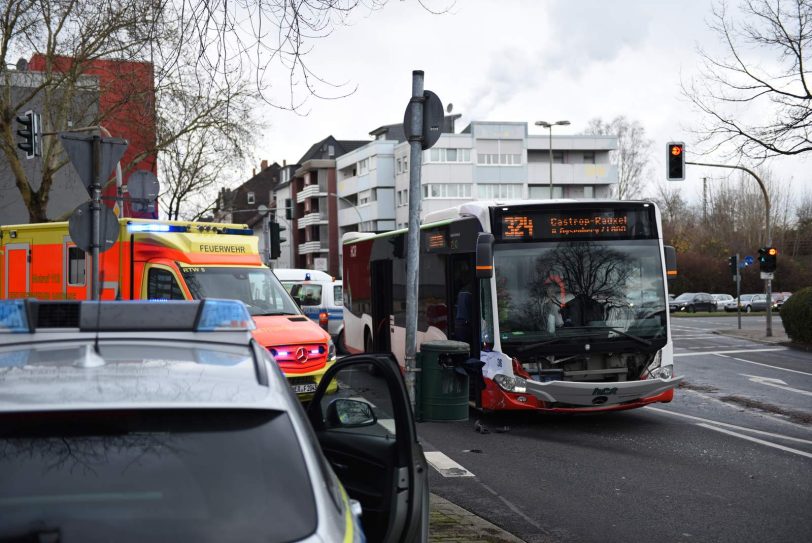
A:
(144, 421)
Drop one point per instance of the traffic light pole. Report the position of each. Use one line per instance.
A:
(738, 292)
(767, 282)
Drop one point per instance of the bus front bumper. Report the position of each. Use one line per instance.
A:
(579, 397)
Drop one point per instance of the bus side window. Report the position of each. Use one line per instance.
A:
(161, 285)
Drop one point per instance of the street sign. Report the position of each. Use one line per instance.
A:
(79, 148)
(143, 188)
(766, 275)
(433, 118)
(81, 231)
(749, 260)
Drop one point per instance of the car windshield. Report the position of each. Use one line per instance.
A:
(258, 288)
(194, 475)
(747, 297)
(560, 289)
(685, 297)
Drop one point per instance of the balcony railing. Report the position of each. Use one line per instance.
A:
(317, 217)
(312, 247)
(310, 191)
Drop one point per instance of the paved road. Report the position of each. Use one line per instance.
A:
(729, 460)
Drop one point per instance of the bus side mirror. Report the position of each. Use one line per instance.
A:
(484, 256)
(670, 261)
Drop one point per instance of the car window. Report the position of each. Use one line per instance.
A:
(369, 411)
(197, 475)
(338, 297)
(307, 294)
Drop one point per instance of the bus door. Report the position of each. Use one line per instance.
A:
(463, 295)
(75, 283)
(381, 278)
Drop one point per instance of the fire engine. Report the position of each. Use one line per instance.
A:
(172, 260)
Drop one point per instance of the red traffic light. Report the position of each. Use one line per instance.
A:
(676, 150)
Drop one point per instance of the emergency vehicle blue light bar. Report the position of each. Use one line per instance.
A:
(238, 231)
(224, 315)
(155, 227)
(13, 316)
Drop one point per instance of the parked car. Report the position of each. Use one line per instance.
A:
(780, 299)
(720, 300)
(759, 301)
(746, 303)
(166, 421)
(691, 302)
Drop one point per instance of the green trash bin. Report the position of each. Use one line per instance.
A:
(443, 394)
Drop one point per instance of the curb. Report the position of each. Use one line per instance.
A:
(450, 523)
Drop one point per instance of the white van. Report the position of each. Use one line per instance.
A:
(319, 296)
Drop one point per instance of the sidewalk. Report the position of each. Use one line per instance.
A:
(449, 523)
(779, 336)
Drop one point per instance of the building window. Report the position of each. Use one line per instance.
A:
(558, 157)
(589, 157)
(440, 154)
(400, 166)
(589, 191)
(161, 285)
(447, 190)
(363, 166)
(405, 164)
(77, 264)
(499, 191)
(542, 192)
(403, 197)
(251, 198)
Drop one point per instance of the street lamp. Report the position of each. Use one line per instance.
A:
(545, 124)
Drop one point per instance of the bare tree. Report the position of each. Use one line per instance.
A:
(631, 156)
(755, 108)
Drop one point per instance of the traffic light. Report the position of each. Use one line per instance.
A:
(733, 262)
(29, 130)
(767, 257)
(675, 161)
(277, 240)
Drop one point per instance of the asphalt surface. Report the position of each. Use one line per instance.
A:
(728, 460)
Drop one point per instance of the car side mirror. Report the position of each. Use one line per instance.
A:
(348, 413)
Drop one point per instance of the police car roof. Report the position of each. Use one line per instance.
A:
(299, 274)
(47, 369)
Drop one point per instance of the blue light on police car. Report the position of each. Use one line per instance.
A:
(224, 315)
(13, 316)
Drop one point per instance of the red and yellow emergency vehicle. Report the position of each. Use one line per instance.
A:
(170, 260)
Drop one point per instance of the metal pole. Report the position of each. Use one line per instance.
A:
(738, 292)
(767, 282)
(95, 211)
(414, 134)
(550, 128)
(266, 237)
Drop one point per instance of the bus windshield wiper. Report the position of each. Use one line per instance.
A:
(638, 339)
(533, 346)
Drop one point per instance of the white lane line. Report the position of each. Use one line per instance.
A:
(734, 352)
(765, 365)
(756, 440)
(777, 383)
(727, 425)
(446, 466)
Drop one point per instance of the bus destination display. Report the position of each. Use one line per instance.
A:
(537, 225)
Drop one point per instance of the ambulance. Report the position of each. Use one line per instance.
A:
(170, 260)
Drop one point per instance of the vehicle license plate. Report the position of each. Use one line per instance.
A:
(303, 389)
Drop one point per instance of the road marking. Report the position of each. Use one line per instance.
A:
(765, 365)
(718, 423)
(756, 440)
(734, 352)
(446, 466)
(777, 383)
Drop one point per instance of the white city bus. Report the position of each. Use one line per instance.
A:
(563, 303)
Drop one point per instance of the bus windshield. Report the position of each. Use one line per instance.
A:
(258, 288)
(570, 290)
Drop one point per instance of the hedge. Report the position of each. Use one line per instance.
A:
(796, 314)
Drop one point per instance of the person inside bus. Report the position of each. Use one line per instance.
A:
(551, 308)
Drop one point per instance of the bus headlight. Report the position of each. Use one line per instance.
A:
(510, 383)
(331, 352)
(657, 371)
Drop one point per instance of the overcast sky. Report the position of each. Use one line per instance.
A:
(514, 60)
